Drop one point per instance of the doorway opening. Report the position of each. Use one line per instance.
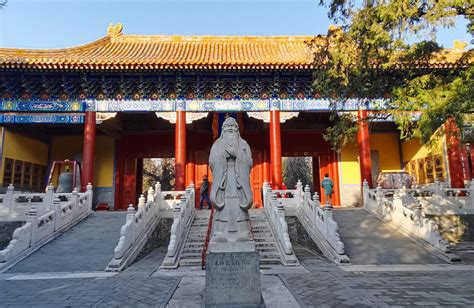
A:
(155, 170)
(298, 168)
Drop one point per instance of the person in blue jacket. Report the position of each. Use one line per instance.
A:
(327, 185)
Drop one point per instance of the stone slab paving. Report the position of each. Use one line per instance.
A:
(317, 283)
(88, 246)
(368, 240)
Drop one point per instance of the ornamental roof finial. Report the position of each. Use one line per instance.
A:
(459, 45)
(114, 30)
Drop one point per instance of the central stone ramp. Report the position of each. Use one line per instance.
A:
(368, 240)
(86, 247)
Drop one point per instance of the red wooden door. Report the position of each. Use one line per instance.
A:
(256, 178)
(323, 169)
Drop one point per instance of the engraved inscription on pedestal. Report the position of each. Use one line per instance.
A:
(233, 278)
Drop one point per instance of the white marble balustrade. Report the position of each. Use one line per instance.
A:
(275, 211)
(139, 221)
(403, 210)
(53, 217)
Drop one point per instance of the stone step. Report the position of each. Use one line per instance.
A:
(269, 261)
(190, 255)
(190, 262)
(264, 241)
(267, 248)
(192, 251)
(263, 244)
(193, 244)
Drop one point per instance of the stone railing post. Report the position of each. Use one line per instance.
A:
(365, 193)
(8, 198)
(89, 196)
(151, 195)
(403, 195)
(57, 210)
(131, 218)
(316, 199)
(48, 198)
(299, 193)
(32, 218)
(379, 196)
(75, 200)
(418, 214)
(141, 202)
(307, 195)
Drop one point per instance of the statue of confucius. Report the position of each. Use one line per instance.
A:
(230, 161)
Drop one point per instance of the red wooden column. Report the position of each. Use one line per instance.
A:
(180, 147)
(190, 169)
(364, 147)
(454, 154)
(275, 145)
(266, 162)
(335, 178)
(88, 150)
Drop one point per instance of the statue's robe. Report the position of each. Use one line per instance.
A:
(231, 192)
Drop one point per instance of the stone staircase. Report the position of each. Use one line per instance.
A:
(264, 240)
(191, 255)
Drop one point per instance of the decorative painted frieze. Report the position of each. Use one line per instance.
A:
(41, 106)
(41, 118)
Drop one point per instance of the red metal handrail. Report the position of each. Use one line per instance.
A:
(208, 238)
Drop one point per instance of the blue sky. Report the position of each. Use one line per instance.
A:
(66, 23)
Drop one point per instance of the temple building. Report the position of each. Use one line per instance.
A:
(123, 98)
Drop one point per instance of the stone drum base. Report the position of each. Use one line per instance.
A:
(233, 275)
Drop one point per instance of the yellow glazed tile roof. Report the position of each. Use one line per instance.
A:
(137, 52)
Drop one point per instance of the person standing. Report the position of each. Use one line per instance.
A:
(204, 192)
(327, 185)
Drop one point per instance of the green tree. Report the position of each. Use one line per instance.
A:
(371, 56)
(297, 168)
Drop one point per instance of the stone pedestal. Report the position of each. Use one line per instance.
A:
(233, 275)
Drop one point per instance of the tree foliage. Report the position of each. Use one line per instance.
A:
(159, 170)
(370, 56)
(297, 168)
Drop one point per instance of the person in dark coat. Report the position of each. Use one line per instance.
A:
(327, 185)
(204, 192)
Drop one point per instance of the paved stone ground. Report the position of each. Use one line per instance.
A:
(317, 283)
(370, 241)
(88, 246)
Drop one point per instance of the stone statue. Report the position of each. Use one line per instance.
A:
(230, 161)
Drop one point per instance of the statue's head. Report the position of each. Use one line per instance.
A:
(230, 127)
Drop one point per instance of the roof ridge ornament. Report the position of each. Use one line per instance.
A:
(114, 30)
(459, 45)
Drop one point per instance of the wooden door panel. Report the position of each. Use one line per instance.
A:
(256, 178)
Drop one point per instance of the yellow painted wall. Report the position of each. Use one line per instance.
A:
(389, 159)
(387, 145)
(349, 164)
(67, 147)
(20, 147)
